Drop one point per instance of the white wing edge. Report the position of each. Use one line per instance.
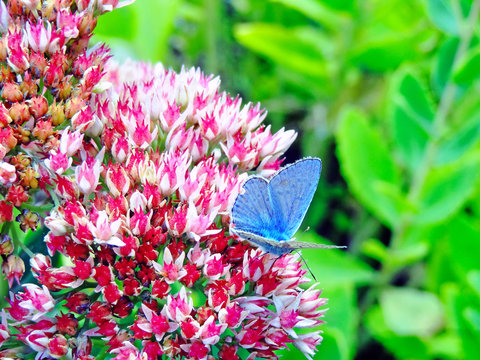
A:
(283, 243)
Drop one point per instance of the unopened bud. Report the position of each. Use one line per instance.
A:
(6, 244)
(57, 112)
(12, 92)
(38, 106)
(19, 113)
(73, 106)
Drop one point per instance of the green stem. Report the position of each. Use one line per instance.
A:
(17, 242)
(38, 209)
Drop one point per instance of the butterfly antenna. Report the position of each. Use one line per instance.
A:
(304, 231)
(308, 267)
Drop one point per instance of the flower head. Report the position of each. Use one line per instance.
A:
(143, 165)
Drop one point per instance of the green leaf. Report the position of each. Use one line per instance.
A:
(121, 23)
(162, 13)
(315, 10)
(382, 55)
(366, 162)
(342, 311)
(446, 189)
(442, 14)
(445, 346)
(411, 312)
(443, 64)
(439, 264)
(300, 49)
(393, 192)
(340, 334)
(335, 266)
(473, 278)
(468, 70)
(404, 347)
(392, 33)
(459, 140)
(375, 249)
(410, 253)
(341, 5)
(457, 303)
(464, 245)
(342, 319)
(333, 346)
(134, 23)
(411, 113)
(473, 317)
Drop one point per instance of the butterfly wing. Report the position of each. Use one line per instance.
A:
(297, 245)
(279, 248)
(291, 191)
(252, 211)
(274, 247)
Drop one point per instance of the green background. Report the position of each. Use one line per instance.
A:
(386, 92)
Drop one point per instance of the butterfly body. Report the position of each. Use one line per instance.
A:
(270, 211)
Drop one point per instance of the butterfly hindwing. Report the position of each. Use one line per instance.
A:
(291, 191)
(279, 248)
(252, 211)
(274, 247)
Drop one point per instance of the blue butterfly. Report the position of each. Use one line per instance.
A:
(269, 212)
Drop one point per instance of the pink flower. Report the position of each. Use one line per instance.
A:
(68, 23)
(118, 181)
(104, 231)
(38, 36)
(179, 307)
(58, 346)
(171, 271)
(159, 324)
(88, 174)
(172, 170)
(120, 149)
(58, 162)
(36, 300)
(307, 343)
(232, 315)
(210, 332)
(56, 224)
(214, 267)
(4, 331)
(70, 142)
(143, 224)
(8, 173)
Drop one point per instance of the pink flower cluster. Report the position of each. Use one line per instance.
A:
(143, 172)
(47, 76)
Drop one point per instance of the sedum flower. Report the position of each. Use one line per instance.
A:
(47, 71)
(148, 234)
(144, 165)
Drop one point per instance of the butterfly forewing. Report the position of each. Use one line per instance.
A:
(252, 211)
(291, 191)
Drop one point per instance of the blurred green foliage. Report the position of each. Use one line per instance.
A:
(386, 92)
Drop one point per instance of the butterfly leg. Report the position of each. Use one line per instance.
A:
(308, 267)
